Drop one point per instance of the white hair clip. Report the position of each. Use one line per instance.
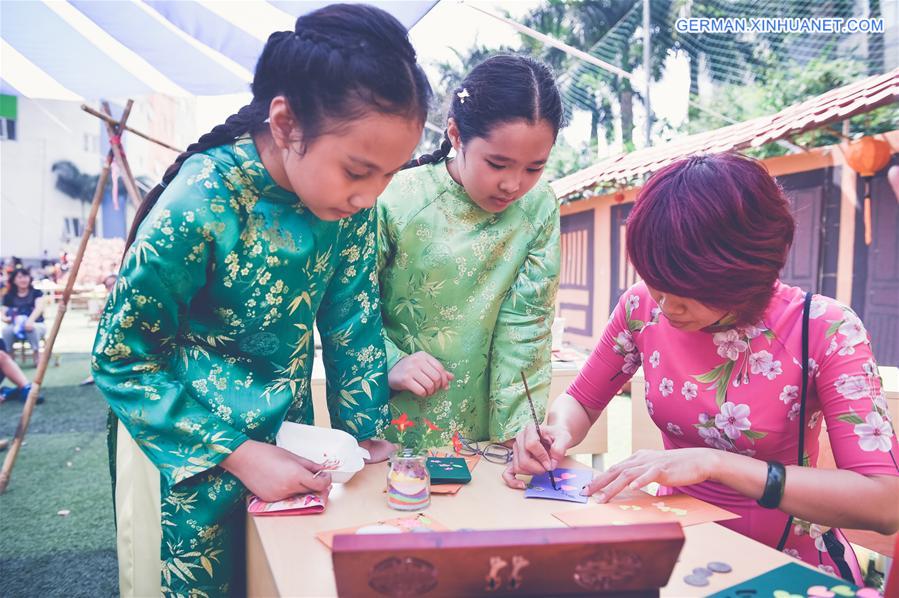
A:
(462, 95)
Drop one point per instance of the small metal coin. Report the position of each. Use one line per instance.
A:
(702, 571)
(696, 580)
(719, 567)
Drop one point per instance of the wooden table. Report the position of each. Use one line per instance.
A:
(285, 559)
(595, 443)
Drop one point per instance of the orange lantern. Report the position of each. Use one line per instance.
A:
(866, 156)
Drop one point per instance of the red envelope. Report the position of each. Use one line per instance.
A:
(301, 504)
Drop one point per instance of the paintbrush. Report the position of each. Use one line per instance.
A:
(543, 440)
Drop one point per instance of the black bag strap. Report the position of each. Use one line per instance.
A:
(834, 548)
(806, 310)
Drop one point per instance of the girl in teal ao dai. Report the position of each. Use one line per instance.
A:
(262, 229)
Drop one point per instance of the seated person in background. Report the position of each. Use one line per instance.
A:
(23, 312)
(10, 369)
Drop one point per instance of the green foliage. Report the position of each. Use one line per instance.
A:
(611, 31)
(752, 74)
(566, 159)
(786, 86)
(82, 186)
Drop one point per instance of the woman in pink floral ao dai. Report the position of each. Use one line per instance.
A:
(720, 341)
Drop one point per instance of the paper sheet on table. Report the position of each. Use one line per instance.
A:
(400, 525)
(639, 507)
(450, 488)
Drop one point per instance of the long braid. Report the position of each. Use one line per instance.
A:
(244, 120)
(434, 157)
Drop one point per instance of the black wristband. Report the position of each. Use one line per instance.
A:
(774, 485)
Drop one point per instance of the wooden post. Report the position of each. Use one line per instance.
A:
(115, 143)
(115, 122)
(31, 401)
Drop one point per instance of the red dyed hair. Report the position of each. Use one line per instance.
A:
(716, 229)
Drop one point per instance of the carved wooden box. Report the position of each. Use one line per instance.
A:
(634, 560)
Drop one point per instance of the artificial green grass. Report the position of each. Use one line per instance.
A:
(63, 465)
(67, 410)
(77, 573)
(58, 472)
(73, 368)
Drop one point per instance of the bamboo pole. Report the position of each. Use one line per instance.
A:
(118, 153)
(33, 394)
(51, 339)
(111, 120)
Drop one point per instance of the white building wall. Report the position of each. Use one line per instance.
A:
(32, 211)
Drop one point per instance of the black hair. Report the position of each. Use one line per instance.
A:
(21, 270)
(503, 88)
(340, 62)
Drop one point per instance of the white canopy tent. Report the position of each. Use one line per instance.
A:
(86, 49)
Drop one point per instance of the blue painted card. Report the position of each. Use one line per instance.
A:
(568, 485)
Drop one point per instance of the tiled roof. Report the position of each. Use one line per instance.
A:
(835, 105)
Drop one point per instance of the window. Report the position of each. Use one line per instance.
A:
(8, 129)
(9, 111)
(91, 143)
(72, 227)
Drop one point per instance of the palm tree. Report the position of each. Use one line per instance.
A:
(78, 185)
(74, 183)
(609, 30)
(761, 58)
(726, 56)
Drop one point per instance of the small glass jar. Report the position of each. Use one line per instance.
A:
(408, 482)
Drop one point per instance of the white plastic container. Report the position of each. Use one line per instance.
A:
(558, 333)
(321, 444)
